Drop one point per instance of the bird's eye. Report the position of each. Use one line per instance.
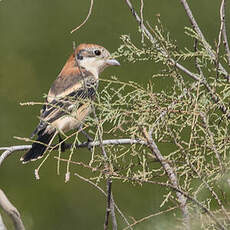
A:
(97, 52)
(79, 57)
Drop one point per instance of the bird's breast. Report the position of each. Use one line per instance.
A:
(73, 120)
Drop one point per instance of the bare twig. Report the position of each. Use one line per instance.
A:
(86, 19)
(198, 31)
(100, 134)
(171, 174)
(110, 203)
(177, 189)
(194, 76)
(206, 184)
(104, 193)
(138, 19)
(156, 44)
(195, 201)
(2, 225)
(142, 21)
(10, 150)
(108, 208)
(172, 105)
(13, 213)
(113, 214)
(224, 33)
(150, 216)
(196, 62)
(219, 42)
(167, 185)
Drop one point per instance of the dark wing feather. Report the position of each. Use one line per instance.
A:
(57, 109)
(61, 104)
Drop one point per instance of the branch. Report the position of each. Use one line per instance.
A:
(108, 208)
(194, 76)
(225, 39)
(171, 174)
(2, 225)
(219, 42)
(156, 44)
(198, 31)
(13, 213)
(104, 193)
(167, 185)
(10, 150)
(110, 203)
(195, 201)
(150, 216)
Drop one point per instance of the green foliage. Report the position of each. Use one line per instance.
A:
(186, 118)
(189, 122)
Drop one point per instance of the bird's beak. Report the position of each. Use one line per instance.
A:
(112, 62)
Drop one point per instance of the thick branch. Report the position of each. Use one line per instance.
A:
(13, 213)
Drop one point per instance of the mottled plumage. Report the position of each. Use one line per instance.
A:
(69, 98)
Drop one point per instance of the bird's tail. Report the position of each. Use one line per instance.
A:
(38, 149)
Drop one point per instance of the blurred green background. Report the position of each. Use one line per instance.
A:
(35, 42)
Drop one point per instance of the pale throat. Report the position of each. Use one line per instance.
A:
(93, 65)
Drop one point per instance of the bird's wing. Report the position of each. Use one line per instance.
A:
(69, 91)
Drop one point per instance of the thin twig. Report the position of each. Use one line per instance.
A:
(86, 19)
(142, 21)
(104, 193)
(196, 62)
(194, 76)
(204, 182)
(100, 134)
(157, 46)
(167, 185)
(219, 42)
(10, 209)
(150, 216)
(171, 106)
(224, 33)
(110, 205)
(108, 208)
(198, 31)
(213, 147)
(176, 189)
(195, 201)
(206, 210)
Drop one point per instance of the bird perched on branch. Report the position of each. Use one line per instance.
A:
(69, 98)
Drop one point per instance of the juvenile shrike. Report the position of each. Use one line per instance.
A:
(68, 101)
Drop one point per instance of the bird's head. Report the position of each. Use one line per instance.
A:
(94, 58)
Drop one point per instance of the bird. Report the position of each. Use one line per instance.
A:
(69, 100)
